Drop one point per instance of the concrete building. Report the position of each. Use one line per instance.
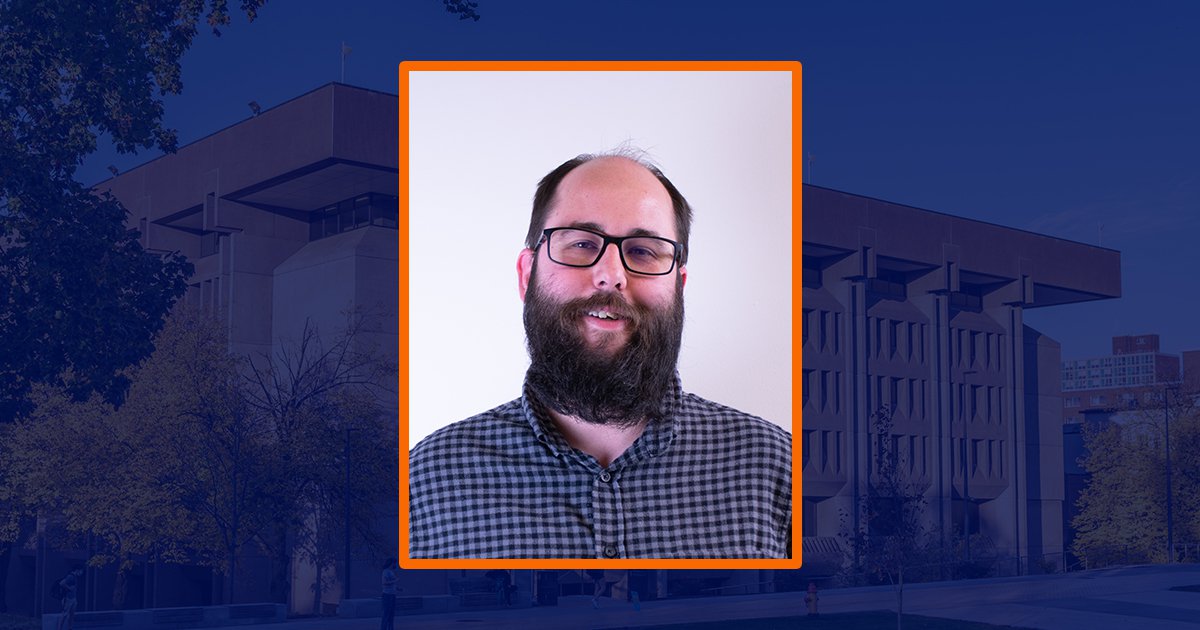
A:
(922, 313)
(286, 229)
(290, 217)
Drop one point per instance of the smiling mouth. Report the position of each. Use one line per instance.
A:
(604, 314)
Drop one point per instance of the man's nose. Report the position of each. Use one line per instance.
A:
(609, 272)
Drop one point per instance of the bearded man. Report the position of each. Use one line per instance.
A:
(604, 455)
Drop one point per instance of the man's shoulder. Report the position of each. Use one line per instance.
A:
(482, 431)
(732, 426)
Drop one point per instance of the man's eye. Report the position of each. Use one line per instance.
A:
(583, 245)
(643, 253)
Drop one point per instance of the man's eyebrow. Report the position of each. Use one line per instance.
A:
(596, 227)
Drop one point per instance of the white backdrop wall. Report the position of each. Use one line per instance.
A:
(480, 141)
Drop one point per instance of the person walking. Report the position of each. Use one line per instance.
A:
(389, 580)
(69, 587)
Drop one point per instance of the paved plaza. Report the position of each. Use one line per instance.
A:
(1137, 597)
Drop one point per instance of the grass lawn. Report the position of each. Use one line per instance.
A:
(873, 620)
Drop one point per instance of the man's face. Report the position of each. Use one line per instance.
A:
(617, 197)
(603, 340)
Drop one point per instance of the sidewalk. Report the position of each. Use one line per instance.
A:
(1117, 598)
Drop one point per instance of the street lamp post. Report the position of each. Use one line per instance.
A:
(346, 581)
(1167, 447)
(966, 499)
(963, 407)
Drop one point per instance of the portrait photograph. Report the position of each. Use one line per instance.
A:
(619, 157)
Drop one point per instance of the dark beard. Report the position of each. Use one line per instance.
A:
(617, 387)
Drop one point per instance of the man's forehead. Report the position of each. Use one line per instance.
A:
(613, 194)
(601, 227)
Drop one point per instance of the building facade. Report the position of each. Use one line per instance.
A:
(290, 219)
(920, 315)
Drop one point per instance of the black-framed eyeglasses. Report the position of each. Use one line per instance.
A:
(580, 247)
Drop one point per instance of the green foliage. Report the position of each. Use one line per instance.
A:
(1122, 516)
(211, 453)
(323, 400)
(79, 299)
(72, 71)
(464, 9)
(894, 540)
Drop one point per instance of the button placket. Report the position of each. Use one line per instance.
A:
(607, 515)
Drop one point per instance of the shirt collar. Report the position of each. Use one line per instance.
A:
(654, 441)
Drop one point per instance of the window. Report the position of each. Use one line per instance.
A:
(889, 285)
(812, 272)
(210, 243)
(351, 214)
(362, 211)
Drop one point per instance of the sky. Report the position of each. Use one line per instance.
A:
(1075, 119)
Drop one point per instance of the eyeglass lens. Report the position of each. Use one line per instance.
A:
(643, 254)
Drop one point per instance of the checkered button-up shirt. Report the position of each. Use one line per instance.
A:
(706, 481)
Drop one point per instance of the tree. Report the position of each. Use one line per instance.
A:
(216, 459)
(1122, 511)
(894, 540)
(164, 475)
(464, 9)
(319, 393)
(80, 466)
(79, 298)
(211, 455)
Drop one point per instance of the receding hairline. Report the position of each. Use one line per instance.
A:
(546, 196)
(598, 158)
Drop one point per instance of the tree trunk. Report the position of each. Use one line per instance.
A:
(317, 595)
(230, 575)
(281, 578)
(121, 582)
(900, 599)
(5, 553)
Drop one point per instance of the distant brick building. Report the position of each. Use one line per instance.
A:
(1132, 376)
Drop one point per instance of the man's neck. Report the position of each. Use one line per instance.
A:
(601, 441)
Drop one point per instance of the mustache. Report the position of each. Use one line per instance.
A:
(611, 302)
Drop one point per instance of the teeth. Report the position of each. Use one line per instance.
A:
(602, 314)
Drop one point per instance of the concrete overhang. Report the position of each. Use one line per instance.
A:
(330, 144)
(838, 224)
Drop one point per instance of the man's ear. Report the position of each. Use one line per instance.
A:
(682, 276)
(524, 268)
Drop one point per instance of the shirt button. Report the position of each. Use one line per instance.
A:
(610, 551)
(605, 477)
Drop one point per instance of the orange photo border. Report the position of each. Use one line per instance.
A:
(406, 67)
